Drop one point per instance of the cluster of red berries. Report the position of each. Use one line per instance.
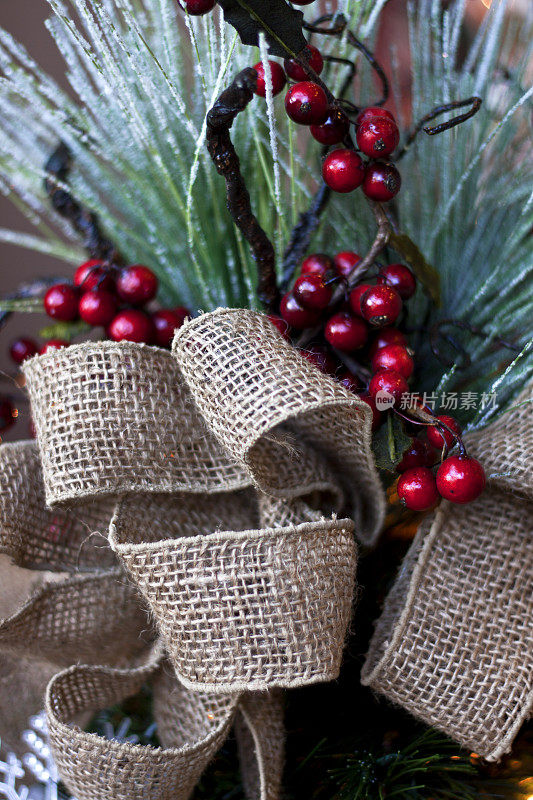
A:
(115, 299)
(377, 134)
(364, 322)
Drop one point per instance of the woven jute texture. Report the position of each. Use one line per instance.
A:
(192, 726)
(38, 538)
(245, 608)
(264, 403)
(115, 418)
(454, 643)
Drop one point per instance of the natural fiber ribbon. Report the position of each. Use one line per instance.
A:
(454, 645)
(214, 453)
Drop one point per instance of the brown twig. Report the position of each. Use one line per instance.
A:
(85, 222)
(437, 333)
(302, 233)
(474, 102)
(220, 118)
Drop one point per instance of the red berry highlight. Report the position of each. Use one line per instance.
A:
(296, 315)
(438, 437)
(418, 454)
(198, 7)
(21, 349)
(387, 336)
(396, 357)
(137, 285)
(277, 78)
(400, 278)
(316, 264)
(92, 275)
(53, 344)
(306, 103)
(417, 489)
(349, 380)
(381, 305)
(61, 302)
(312, 292)
(343, 170)
(346, 261)
(97, 307)
(333, 130)
(345, 332)
(355, 297)
(382, 182)
(131, 325)
(460, 479)
(389, 382)
(298, 73)
(373, 111)
(377, 136)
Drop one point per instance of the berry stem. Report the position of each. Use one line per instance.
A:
(220, 118)
(359, 371)
(474, 102)
(302, 233)
(25, 292)
(436, 333)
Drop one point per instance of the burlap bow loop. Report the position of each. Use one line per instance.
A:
(455, 642)
(215, 454)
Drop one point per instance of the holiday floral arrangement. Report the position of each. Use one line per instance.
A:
(293, 356)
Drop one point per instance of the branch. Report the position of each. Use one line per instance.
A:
(474, 102)
(219, 121)
(302, 233)
(85, 222)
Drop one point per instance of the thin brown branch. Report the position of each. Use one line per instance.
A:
(220, 118)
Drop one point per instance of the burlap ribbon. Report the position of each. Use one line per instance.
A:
(454, 645)
(221, 459)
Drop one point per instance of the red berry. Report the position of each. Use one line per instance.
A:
(376, 414)
(183, 313)
(417, 489)
(343, 170)
(460, 479)
(389, 382)
(316, 264)
(131, 325)
(387, 336)
(61, 302)
(348, 380)
(381, 305)
(311, 292)
(400, 278)
(299, 73)
(373, 111)
(92, 275)
(377, 136)
(296, 315)
(396, 357)
(98, 307)
(439, 436)
(137, 285)
(8, 414)
(53, 344)
(281, 325)
(355, 297)
(320, 357)
(21, 349)
(306, 103)
(333, 130)
(345, 332)
(198, 7)
(346, 261)
(382, 182)
(166, 321)
(278, 79)
(418, 454)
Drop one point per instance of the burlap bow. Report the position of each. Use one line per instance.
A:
(454, 645)
(219, 461)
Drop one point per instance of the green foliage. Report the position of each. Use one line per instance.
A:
(389, 443)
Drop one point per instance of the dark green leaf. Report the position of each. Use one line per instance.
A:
(281, 24)
(426, 274)
(389, 443)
